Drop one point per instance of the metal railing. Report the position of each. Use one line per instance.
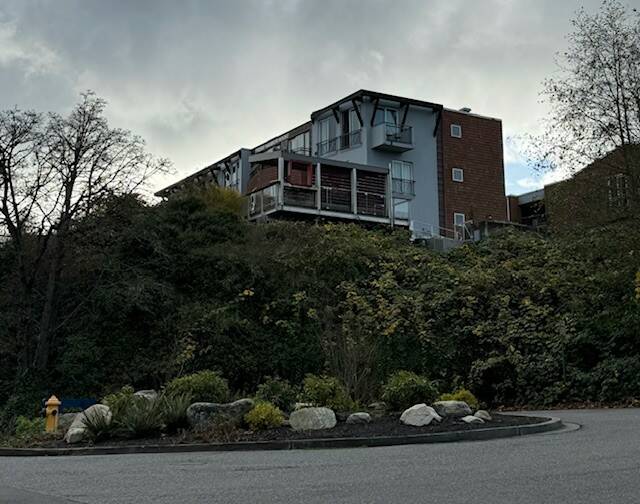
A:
(335, 199)
(403, 186)
(396, 133)
(351, 139)
(372, 204)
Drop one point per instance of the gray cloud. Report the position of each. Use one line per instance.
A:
(199, 79)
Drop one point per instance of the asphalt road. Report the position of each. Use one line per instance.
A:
(600, 463)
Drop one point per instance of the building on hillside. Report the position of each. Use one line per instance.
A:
(604, 191)
(374, 158)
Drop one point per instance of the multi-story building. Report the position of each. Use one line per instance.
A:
(378, 158)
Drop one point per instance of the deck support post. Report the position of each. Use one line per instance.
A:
(389, 194)
(281, 181)
(354, 192)
(318, 187)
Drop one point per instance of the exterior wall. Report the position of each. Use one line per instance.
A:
(479, 153)
(586, 198)
(423, 207)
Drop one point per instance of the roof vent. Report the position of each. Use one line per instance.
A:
(466, 110)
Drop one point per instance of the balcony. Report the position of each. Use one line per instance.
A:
(318, 187)
(392, 138)
(342, 142)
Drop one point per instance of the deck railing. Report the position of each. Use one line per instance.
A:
(345, 141)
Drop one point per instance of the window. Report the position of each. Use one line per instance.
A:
(456, 131)
(325, 143)
(458, 219)
(402, 177)
(386, 115)
(324, 130)
(457, 174)
(458, 225)
(401, 209)
(618, 190)
(300, 144)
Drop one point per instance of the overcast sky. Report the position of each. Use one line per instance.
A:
(200, 79)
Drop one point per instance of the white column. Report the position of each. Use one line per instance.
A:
(281, 181)
(319, 186)
(389, 191)
(354, 192)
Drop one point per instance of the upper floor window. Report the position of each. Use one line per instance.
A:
(386, 115)
(456, 131)
(402, 177)
(618, 190)
(301, 144)
(457, 174)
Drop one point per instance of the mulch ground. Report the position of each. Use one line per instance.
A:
(384, 426)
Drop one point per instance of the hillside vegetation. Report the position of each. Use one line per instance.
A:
(154, 292)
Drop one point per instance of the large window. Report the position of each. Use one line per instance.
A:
(300, 144)
(402, 177)
(618, 188)
(386, 115)
(401, 209)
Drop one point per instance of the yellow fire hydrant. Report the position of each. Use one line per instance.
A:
(51, 412)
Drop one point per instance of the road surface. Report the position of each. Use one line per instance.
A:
(598, 463)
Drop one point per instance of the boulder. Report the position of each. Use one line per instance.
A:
(65, 420)
(378, 409)
(456, 409)
(419, 415)
(359, 418)
(472, 419)
(77, 430)
(483, 414)
(151, 395)
(312, 419)
(201, 415)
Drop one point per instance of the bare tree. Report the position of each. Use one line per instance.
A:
(54, 171)
(594, 98)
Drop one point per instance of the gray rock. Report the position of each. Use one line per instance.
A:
(359, 418)
(201, 415)
(472, 419)
(456, 409)
(378, 409)
(77, 430)
(151, 395)
(312, 419)
(419, 415)
(483, 414)
(65, 420)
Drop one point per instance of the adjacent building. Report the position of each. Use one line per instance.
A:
(604, 191)
(374, 158)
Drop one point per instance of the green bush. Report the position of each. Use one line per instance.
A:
(174, 410)
(278, 392)
(99, 426)
(326, 391)
(203, 386)
(264, 416)
(141, 418)
(27, 428)
(120, 401)
(404, 389)
(463, 395)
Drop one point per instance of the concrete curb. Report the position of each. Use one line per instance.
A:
(550, 424)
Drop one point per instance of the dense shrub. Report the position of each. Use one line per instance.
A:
(326, 391)
(203, 386)
(264, 416)
(463, 395)
(29, 428)
(120, 401)
(174, 410)
(141, 418)
(99, 426)
(404, 389)
(278, 392)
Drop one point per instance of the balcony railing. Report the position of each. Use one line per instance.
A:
(392, 137)
(351, 139)
(335, 199)
(403, 186)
